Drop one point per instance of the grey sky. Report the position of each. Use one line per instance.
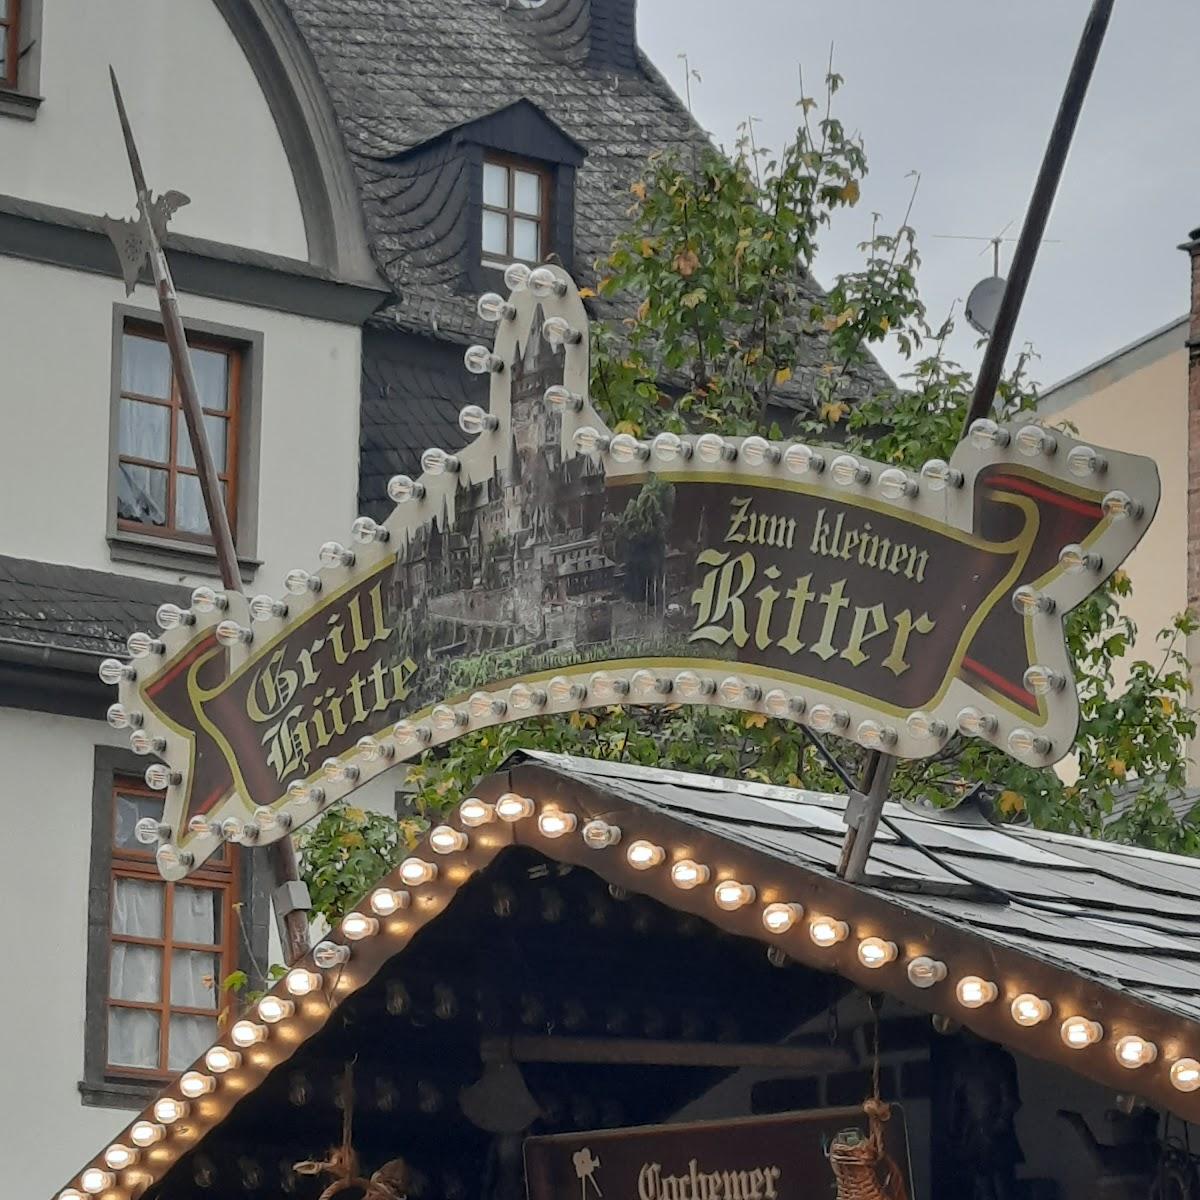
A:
(965, 91)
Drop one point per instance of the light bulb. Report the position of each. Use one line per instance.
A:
(557, 396)
(410, 733)
(670, 447)
(274, 1009)
(642, 855)
(446, 719)
(938, 475)
(876, 952)
(1075, 560)
(473, 812)
(171, 858)
(230, 633)
(1078, 1032)
(781, 916)
(1026, 744)
(306, 793)
(713, 448)
(516, 277)
(299, 582)
(416, 871)
(302, 982)
(220, 1059)
(846, 470)
(826, 931)
(1028, 1009)
(445, 839)
(194, 1084)
(625, 448)
(605, 686)
(146, 1133)
(985, 434)
(975, 723)
(735, 690)
(473, 420)
(730, 894)
(801, 459)
(895, 484)
(402, 488)
(71, 1194)
(479, 360)
(328, 955)
(356, 926)
(365, 530)
(589, 440)
(513, 807)
(95, 1180)
(234, 829)
(690, 686)
(924, 727)
(688, 874)
(924, 972)
(335, 555)
(199, 826)
(150, 830)
(160, 777)
(247, 1033)
(168, 1110)
(558, 331)
(825, 719)
(206, 600)
(372, 750)
(1120, 506)
(1185, 1074)
(1133, 1051)
(599, 835)
(1042, 680)
(779, 704)
(119, 1157)
(267, 608)
(566, 691)
(973, 992)
(755, 451)
(1084, 461)
(171, 616)
(141, 644)
(113, 671)
(543, 282)
(647, 684)
(120, 717)
(1033, 440)
(553, 823)
(1028, 601)
(523, 698)
(492, 307)
(141, 742)
(875, 736)
(386, 902)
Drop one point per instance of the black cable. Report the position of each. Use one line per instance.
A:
(830, 761)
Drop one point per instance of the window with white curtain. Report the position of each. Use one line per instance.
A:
(170, 947)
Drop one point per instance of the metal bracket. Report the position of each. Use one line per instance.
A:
(291, 896)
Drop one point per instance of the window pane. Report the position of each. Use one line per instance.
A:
(525, 240)
(132, 1038)
(197, 916)
(129, 811)
(194, 979)
(495, 185)
(141, 494)
(217, 429)
(145, 430)
(527, 192)
(211, 368)
(189, 504)
(188, 1038)
(135, 973)
(495, 226)
(145, 366)
(137, 907)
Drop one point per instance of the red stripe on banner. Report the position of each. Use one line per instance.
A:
(1017, 484)
(1000, 682)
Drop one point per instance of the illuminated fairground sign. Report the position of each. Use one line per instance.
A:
(551, 566)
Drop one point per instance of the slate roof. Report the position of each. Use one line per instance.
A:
(49, 605)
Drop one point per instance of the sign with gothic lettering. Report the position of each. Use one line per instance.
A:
(552, 565)
(792, 1156)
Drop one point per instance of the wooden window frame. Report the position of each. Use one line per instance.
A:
(10, 25)
(218, 874)
(546, 179)
(234, 355)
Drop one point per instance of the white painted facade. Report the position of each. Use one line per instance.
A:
(204, 128)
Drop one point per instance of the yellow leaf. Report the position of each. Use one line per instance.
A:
(1120, 576)
(686, 262)
(850, 192)
(783, 374)
(356, 815)
(794, 781)
(693, 298)
(638, 189)
(1011, 802)
(643, 312)
(647, 247)
(884, 324)
(587, 293)
(1166, 704)
(352, 841)
(1117, 767)
(754, 720)
(834, 410)
(627, 426)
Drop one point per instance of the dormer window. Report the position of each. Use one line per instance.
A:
(515, 211)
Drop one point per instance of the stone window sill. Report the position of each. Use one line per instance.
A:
(18, 104)
(111, 1093)
(149, 551)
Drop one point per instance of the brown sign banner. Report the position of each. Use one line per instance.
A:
(551, 566)
(792, 1156)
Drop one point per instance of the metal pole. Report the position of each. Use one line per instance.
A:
(863, 810)
(1038, 213)
(293, 925)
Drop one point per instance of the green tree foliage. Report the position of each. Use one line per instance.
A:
(714, 271)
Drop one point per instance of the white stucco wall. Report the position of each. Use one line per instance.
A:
(55, 458)
(199, 116)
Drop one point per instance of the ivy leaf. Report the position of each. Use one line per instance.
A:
(783, 374)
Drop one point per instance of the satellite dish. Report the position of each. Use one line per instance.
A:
(983, 304)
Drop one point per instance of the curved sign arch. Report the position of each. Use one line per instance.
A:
(553, 565)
